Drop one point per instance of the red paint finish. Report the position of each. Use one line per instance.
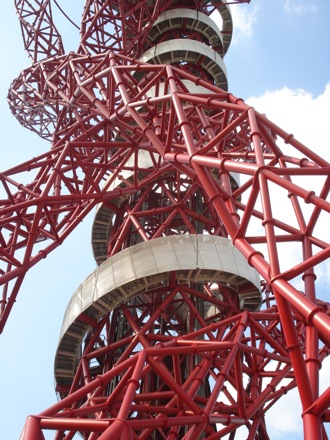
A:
(159, 366)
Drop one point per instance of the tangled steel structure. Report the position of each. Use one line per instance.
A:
(174, 335)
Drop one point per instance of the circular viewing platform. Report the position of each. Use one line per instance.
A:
(139, 269)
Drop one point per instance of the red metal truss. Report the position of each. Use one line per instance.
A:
(163, 161)
(144, 382)
(119, 26)
(164, 379)
(228, 136)
(40, 36)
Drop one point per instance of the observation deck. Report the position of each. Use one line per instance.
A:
(191, 40)
(140, 269)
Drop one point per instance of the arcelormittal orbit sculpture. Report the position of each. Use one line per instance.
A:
(196, 321)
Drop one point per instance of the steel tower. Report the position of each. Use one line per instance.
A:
(195, 323)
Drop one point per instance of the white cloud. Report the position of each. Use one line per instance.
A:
(299, 7)
(244, 20)
(307, 117)
(300, 113)
(285, 416)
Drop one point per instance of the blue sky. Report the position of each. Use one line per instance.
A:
(279, 61)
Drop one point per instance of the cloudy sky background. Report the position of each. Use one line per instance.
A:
(279, 62)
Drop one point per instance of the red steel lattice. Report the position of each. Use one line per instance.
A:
(159, 159)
